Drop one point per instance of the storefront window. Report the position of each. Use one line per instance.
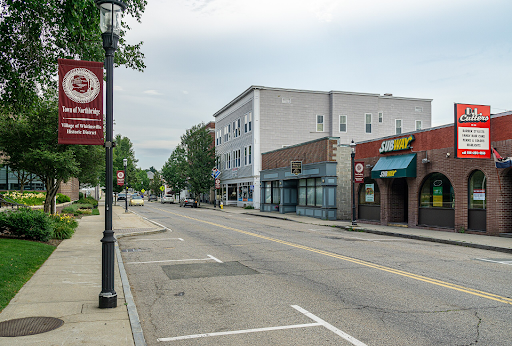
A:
(276, 192)
(437, 192)
(369, 193)
(232, 193)
(268, 192)
(477, 190)
(310, 192)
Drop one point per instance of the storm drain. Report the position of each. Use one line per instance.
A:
(206, 270)
(29, 326)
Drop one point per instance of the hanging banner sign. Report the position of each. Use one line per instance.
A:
(358, 172)
(472, 131)
(120, 178)
(80, 102)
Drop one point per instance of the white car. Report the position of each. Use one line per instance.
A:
(167, 199)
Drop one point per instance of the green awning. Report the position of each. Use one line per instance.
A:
(398, 166)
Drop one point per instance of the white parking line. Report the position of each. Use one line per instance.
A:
(180, 239)
(332, 328)
(495, 261)
(319, 322)
(210, 257)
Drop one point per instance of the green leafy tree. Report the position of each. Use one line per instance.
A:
(30, 142)
(176, 170)
(200, 153)
(35, 33)
(124, 150)
(155, 183)
(141, 180)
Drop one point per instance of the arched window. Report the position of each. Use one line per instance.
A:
(477, 189)
(369, 193)
(437, 202)
(437, 192)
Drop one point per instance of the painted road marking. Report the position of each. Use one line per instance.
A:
(158, 239)
(318, 322)
(500, 261)
(432, 281)
(210, 257)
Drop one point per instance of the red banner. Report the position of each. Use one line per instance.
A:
(359, 172)
(120, 178)
(472, 131)
(80, 102)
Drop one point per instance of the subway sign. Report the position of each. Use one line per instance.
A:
(396, 144)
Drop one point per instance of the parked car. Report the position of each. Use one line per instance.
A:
(167, 198)
(191, 202)
(152, 198)
(121, 196)
(136, 200)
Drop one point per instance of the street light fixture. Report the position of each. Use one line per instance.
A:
(125, 163)
(352, 157)
(110, 25)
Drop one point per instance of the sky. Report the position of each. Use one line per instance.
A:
(201, 54)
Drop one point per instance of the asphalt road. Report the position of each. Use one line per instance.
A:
(235, 279)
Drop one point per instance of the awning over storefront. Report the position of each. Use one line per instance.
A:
(398, 166)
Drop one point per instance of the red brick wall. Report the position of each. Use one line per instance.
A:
(435, 145)
(70, 188)
(315, 151)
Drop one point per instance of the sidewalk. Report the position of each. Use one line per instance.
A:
(67, 287)
(68, 284)
(501, 244)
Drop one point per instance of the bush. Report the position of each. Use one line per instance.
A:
(78, 209)
(87, 200)
(80, 195)
(62, 198)
(64, 226)
(33, 224)
(27, 198)
(95, 212)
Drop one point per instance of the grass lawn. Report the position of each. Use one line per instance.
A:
(19, 260)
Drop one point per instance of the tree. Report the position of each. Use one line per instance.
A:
(155, 183)
(141, 180)
(176, 170)
(124, 150)
(35, 33)
(200, 153)
(30, 142)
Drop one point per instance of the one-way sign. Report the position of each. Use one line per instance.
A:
(215, 173)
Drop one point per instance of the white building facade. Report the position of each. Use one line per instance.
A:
(263, 119)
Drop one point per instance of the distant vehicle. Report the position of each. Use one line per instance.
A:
(152, 198)
(167, 198)
(137, 200)
(191, 202)
(121, 196)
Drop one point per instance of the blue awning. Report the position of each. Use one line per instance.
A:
(398, 166)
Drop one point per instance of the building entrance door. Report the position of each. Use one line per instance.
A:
(399, 201)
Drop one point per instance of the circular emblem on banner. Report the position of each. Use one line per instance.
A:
(359, 168)
(81, 85)
(120, 175)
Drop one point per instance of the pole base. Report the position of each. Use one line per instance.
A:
(108, 300)
(354, 223)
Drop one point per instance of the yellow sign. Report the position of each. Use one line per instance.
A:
(162, 188)
(387, 174)
(142, 190)
(396, 144)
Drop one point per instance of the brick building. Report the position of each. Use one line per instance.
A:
(425, 185)
(318, 187)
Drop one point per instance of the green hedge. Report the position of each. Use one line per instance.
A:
(33, 224)
(87, 200)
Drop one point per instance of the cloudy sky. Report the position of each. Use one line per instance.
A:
(200, 54)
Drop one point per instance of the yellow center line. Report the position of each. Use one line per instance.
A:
(361, 262)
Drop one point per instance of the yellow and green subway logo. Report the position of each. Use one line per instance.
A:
(396, 144)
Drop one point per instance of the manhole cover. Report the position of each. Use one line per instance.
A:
(206, 270)
(29, 326)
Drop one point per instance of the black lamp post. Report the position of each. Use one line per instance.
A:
(125, 163)
(352, 156)
(110, 25)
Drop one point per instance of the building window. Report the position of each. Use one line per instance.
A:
(236, 158)
(437, 192)
(226, 133)
(368, 122)
(398, 126)
(381, 117)
(343, 123)
(319, 123)
(272, 192)
(310, 192)
(369, 193)
(248, 122)
(477, 193)
(229, 132)
(418, 109)
(418, 125)
(247, 155)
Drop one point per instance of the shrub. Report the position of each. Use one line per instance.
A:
(248, 207)
(62, 198)
(33, 224)
(78, 209)
(80, 195)
(28, 198)
(64, 226)
(95, 212)
(87, 200)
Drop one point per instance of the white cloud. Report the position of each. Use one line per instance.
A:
(152, 92)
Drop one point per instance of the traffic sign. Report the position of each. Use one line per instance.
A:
(215, 173)
(142, 190)
(162, 188)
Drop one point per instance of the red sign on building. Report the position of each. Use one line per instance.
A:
(472, 131)
(80, 102)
